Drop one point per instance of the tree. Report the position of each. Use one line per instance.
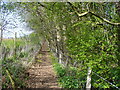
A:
(5, 20)
(81, 37)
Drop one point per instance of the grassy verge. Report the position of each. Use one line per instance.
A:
(17, 56)
(68, 77)
(13, 71)
(10, 42)
(16, 71)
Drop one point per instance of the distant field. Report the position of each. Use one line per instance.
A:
(10, 42)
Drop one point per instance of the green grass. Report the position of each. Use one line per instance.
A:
(68, 77)
(13, 65)
(10, 42)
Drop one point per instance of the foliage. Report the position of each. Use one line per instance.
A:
(87, 41)
(35, 38)
(16, 70)
(13, 59)
(94, 48)
(78, 42)
(70, 77)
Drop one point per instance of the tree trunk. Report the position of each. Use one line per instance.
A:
(88, 83)
(58, 48)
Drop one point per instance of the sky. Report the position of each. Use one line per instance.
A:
(20, 32)
(15, 24)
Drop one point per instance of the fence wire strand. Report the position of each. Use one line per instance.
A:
(106, 80)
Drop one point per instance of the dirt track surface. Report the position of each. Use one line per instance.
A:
(41, 74)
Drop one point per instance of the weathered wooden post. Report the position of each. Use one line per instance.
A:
(15, 44)
(1, 35)
(88, 83)
(58, 48)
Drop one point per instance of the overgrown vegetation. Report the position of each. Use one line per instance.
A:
(83, 36)
(70, 77)
(17, 54)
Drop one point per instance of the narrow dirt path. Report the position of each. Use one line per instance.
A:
(41, 73)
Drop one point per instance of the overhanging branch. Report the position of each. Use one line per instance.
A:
(91, 13)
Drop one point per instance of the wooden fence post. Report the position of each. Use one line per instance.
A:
(1, 35)
(88, 83)
(15, 44)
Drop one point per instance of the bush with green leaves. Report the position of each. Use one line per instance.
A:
(70, 77)
(95, 46)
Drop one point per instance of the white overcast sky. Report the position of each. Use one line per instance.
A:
(20, 27)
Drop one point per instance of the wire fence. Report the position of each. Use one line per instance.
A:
(31, 51)
(7, 52)
(20, 53)
(106, 81)
(67, 58)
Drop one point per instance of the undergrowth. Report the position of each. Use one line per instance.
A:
(17, 72)
(69, 77)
